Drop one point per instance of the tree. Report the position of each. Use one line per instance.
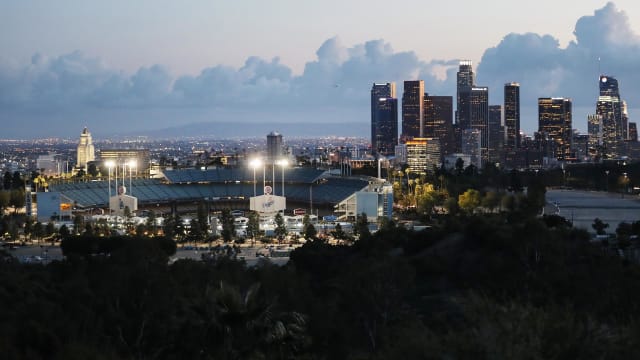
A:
(7, 181)
(253, 225)
(339, 234)
(64, 231)
(491, 200)
(78, 221)
(150, 225)
(228, 225)
(4, 200)
(49, 229)
(92, 170)
(459, 166)
(17, 199)
(361, 227)
(16, 181)
(308, 230)
(469, 200)
(451, 204)
(203, 218)
(281, 228)
(599, 226)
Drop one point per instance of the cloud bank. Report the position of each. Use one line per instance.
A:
(60, 94)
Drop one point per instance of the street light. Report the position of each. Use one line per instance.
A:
(284, 163)
(607, 180)
(255, 163)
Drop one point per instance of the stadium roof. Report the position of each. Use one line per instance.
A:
(329, 190)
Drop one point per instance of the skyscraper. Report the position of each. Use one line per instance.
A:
(412, 109)
(512, 114)
(423, 155)
(633, 132)
(465, 81)
(384, 118)
(554, 122)
(496, 134)
(609, 107)
(86, 150)
(274, 147)
(438, 121)
(479, 118)
(594, 130)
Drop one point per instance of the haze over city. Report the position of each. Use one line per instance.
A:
(123, 68)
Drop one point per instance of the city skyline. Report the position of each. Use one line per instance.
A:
(54, 90)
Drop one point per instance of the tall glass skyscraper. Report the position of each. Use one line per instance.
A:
(554, 121)
(479, 118)
(512, 114)
(609, 107)
(465, 81)
(412, 109)
(384, 118)
(438, 121)
(496, 134)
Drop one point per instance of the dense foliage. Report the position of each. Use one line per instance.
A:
(476, 286)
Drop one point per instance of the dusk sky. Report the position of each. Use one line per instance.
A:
(126, 66)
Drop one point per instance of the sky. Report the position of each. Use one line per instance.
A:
(129, 66)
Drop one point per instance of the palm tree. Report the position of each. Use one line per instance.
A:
(248, 327)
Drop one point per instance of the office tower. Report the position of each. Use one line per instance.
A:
(423, 155)
(384, 118)
(625, 119)
(554, 122)
(512, 114)
(465, 81)
(86, 150)
(594, 130)
(633, 132)
(412, 109)
(274, 147)
(610, 108)
(479, 119)
(438, 121)
(580, 146)
(472, 146)
(496, 134)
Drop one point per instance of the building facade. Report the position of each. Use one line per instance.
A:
(412, 109)
(465, 80)
(384, 118)
(610, 108)
(554, 122)
(274, 147)
(423, 155)
(512, 115)
(496, 134)
(85, 150)
(480, 118)
(594, 131)
(438, 121)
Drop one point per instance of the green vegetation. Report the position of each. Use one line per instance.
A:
(489, 285)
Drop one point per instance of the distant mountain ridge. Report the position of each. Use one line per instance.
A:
(230, 129)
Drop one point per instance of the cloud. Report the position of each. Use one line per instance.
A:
(545, 69)
(332, 87)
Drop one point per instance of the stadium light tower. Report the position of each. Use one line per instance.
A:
(110, 165)
(284, 163)
(255, 163)
(132, 164)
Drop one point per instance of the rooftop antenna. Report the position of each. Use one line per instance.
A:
(599, 72)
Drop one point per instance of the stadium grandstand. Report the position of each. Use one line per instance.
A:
(221, 187)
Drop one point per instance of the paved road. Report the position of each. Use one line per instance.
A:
(582, 207)
(44, 254)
